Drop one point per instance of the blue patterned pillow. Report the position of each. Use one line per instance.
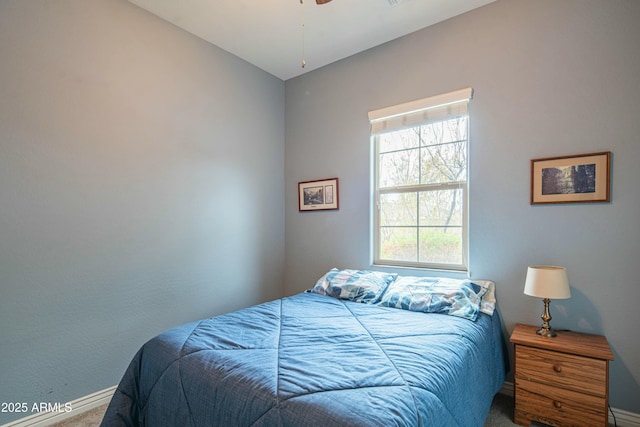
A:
(462, 298)
(488, 304)
(354, 285)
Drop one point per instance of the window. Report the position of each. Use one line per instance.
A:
(420, 209)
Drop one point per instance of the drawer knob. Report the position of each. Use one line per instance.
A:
(557, 368)
(558, 405)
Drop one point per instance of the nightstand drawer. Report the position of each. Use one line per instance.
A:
(578, 373)
(541, 402)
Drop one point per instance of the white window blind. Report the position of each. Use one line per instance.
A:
(423, 111)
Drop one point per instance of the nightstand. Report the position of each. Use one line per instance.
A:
(561, 381)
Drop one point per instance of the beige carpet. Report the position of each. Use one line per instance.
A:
(500, 415)
(90, 418)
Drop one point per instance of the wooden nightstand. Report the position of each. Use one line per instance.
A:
(561, 381)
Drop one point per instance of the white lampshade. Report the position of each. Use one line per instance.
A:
(547, 281)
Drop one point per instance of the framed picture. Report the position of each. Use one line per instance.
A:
(318, 195)
(571, 179)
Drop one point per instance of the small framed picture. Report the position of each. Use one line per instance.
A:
(571, 179)
(318, 195)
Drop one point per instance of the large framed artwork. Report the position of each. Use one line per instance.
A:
(580, 178)
(318, 195)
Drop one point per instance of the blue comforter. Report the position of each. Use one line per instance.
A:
(313, 360)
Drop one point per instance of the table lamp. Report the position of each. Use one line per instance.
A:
(547, 282)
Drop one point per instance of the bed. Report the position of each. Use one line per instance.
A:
(359, 348)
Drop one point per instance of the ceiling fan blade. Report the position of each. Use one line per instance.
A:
(322, 1)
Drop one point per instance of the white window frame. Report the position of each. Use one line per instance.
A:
(412, 114)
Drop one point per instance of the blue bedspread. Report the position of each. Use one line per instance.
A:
(313, 360)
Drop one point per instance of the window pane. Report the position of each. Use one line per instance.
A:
(444, 163)
(399, 168)
(441, 207)
(442, 132)
(399, 209)
(421, 189)
(399, 244)
(400, 140)
(441, 245)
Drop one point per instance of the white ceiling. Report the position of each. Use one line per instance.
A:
(269, 33)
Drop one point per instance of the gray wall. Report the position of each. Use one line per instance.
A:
(551, 78)
(141, 177)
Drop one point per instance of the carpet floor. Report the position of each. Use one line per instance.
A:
(501, 415)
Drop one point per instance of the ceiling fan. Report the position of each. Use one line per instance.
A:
(322, 1)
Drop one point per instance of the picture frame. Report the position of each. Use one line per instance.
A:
(583, 178)
(318, 195)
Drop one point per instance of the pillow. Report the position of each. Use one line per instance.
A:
(488, 301)
(462, 298)
(354, 285)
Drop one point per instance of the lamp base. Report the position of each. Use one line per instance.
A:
(546, 332)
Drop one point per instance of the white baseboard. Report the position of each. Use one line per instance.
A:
(507, 389)
(78, 406)
(622, 418)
